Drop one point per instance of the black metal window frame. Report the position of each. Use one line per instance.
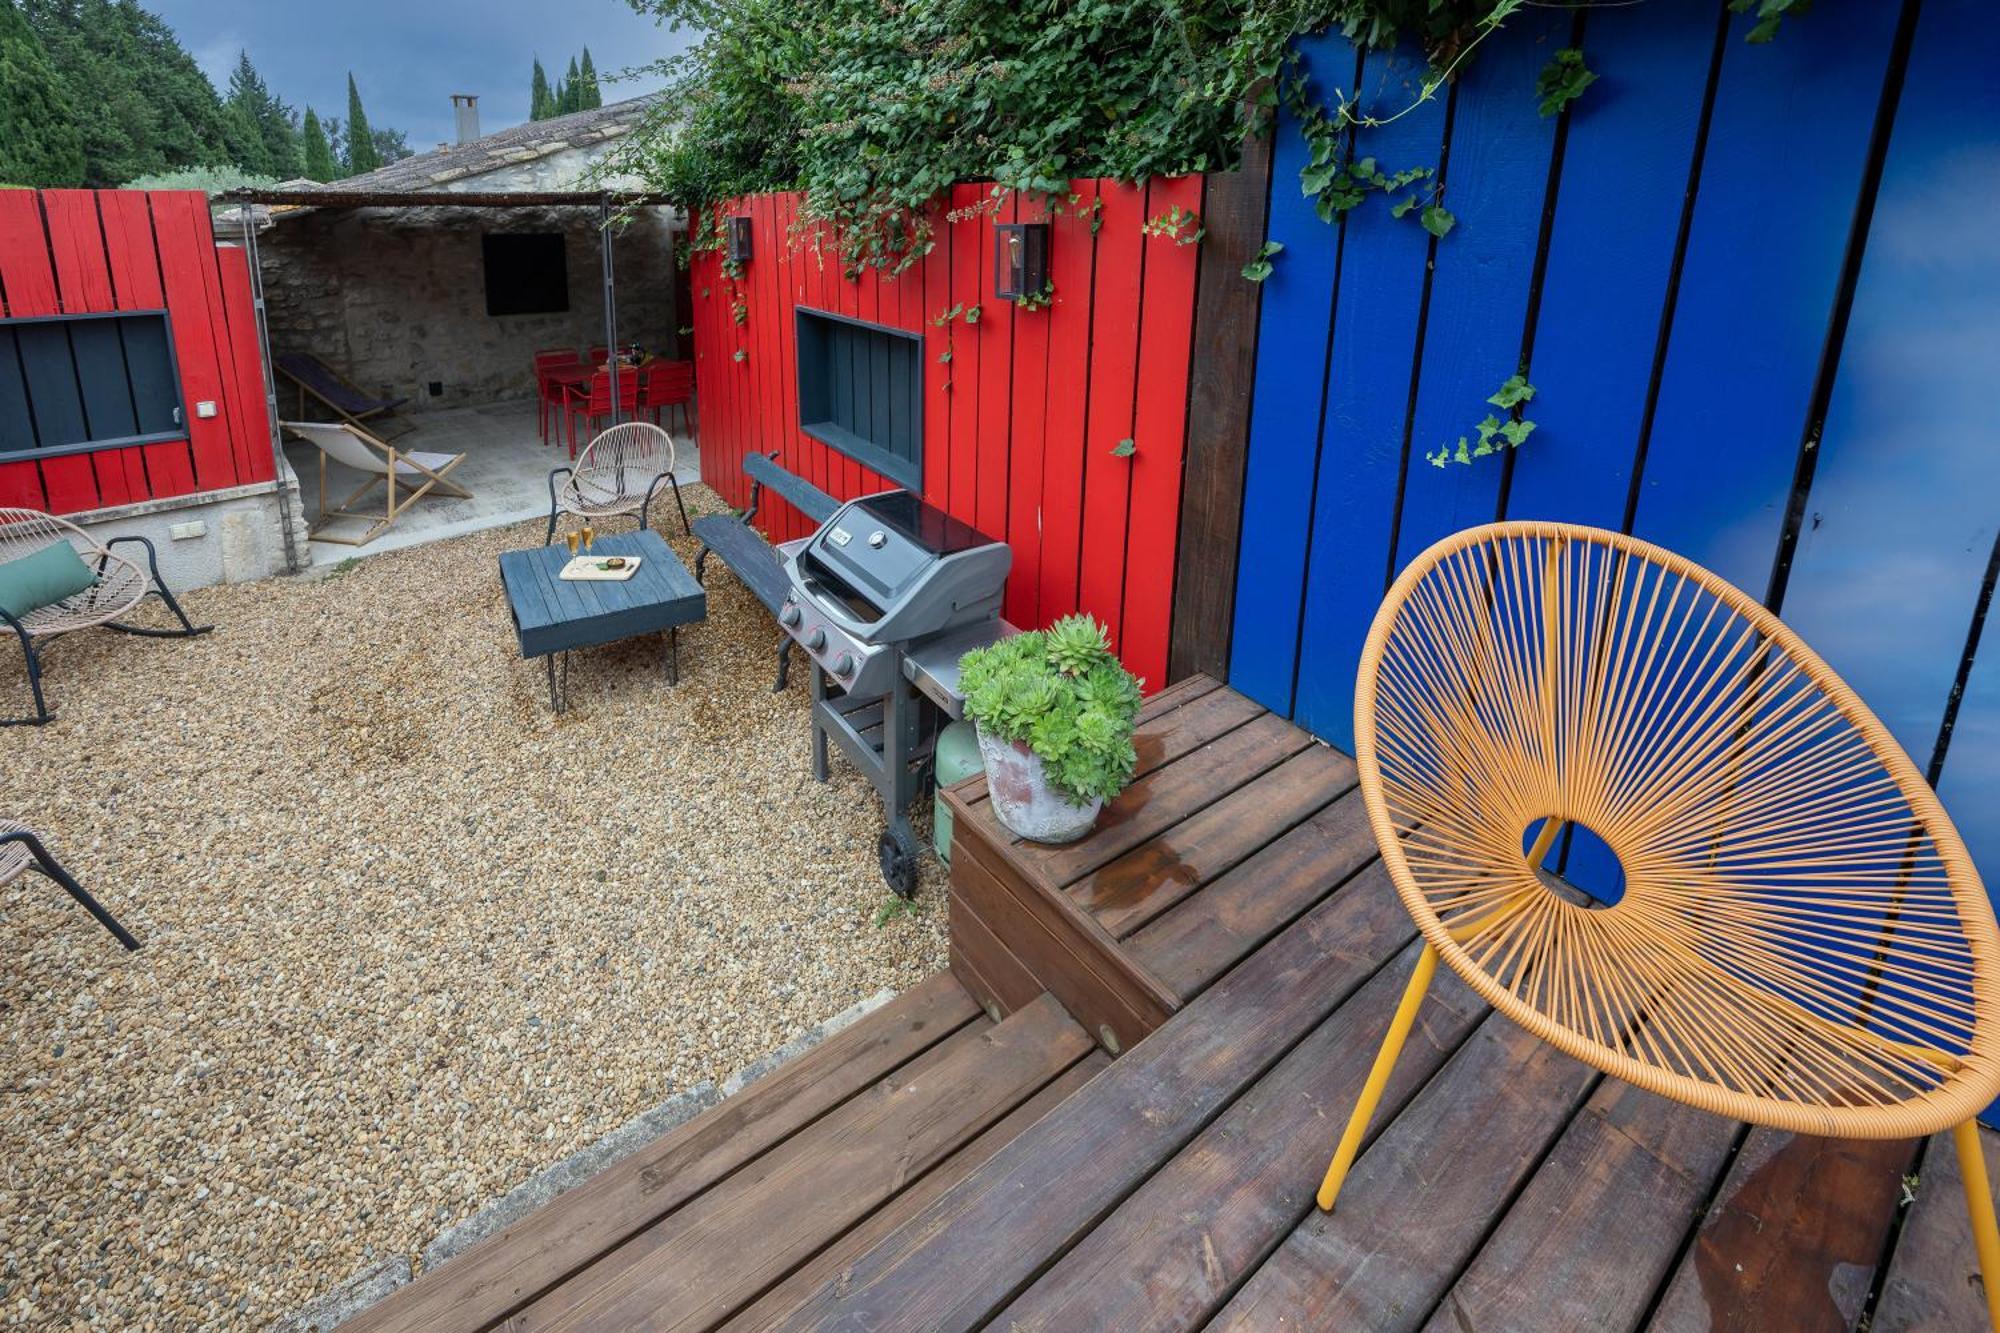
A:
(814, 392)
(180, 427)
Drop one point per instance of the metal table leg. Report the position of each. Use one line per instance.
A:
(558, 694)
(674, 656)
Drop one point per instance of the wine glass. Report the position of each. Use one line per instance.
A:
(570, 540)
(588, 536)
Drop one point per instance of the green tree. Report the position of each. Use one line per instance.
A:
(571, 98)
(540, 104)
(275, 137)
(40, 143)
(318, 153)
(361, 152)
(150, 108)
(391, 145)
(592, 97)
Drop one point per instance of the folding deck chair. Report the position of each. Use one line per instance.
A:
(317, 380)
(419, 471)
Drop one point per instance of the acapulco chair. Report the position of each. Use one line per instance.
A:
(1801, 940)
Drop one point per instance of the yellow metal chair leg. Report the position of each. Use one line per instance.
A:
(1399, 1032)
(1979, 1203)
(1378, 1077)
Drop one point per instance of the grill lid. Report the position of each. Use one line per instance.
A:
(891, 566)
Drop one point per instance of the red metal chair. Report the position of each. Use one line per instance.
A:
(554, 368)
(591, 403)
(665, 384)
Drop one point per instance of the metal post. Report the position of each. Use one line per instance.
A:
(248, 214)
(610, 298)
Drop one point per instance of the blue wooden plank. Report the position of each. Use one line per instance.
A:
(1285, 407)
(552, 614)
(1499, 162)
(1361, 444)
(1786, 148)
(1902, 512)
(1624, 179)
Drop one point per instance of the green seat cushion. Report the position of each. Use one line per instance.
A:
(43, 579)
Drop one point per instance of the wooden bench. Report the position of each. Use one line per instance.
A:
(744, 549)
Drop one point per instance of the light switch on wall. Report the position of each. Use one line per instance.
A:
(205, 408)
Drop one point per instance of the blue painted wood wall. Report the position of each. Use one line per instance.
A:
(1758, 289)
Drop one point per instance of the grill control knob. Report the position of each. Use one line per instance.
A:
(878, 539)
(817, 639)
(843, 665)
(789, 615)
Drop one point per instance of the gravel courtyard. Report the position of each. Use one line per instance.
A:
(409, 938)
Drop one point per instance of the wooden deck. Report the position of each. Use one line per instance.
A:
(1118, 1119)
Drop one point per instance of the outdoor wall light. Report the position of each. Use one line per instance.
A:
(736, 239)
(1020, 260)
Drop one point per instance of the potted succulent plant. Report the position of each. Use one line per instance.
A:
(1055, 711)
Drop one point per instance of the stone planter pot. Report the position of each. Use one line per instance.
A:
(1023, 798)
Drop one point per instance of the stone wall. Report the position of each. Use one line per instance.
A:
(395, 299)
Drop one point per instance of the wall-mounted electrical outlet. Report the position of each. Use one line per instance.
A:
(182, 531)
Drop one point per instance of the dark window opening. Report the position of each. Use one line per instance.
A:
(861, 390)
(72, 383)
(527, 273)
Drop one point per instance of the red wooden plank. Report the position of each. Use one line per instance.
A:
(233, 409)
(760, 296)
(180, 222)
(1114, 360)
(83, 277)
(937, 372)
(996, 376)
(809, 259)
(246, 360)
(1024, 459)
(963, 342)
(1072, 250)
(29, 281)
(1159, 431)
(135, 280)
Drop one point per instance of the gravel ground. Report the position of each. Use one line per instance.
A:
(409, 937)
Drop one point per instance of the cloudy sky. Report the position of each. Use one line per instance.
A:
(410, 56)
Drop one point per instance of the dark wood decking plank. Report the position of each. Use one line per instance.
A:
(827, 1264)
(952, 1266)
(1167, 868)
(1794, 1237)
(1199, 939)
(722, 1249)
(1933, 1284)
(1417, 1204)
(492, 1278)
(1008, 980)
(1174, 1251)
(1596, 1231)
(1059, 944)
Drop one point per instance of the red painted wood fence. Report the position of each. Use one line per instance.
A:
(1023, 409)
(95, 251)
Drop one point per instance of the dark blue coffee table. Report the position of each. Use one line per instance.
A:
(553, 615)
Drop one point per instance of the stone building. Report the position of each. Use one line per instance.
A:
(420, 302)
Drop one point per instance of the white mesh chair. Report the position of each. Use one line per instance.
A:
(617, 474)
(417, 471)
(120, 585)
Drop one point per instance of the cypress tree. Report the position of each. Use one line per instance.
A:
(361, 154)
(318, 153)
(39, 140)
(539, 102)
(592, 97)
(572, 89)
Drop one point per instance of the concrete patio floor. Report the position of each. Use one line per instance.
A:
(506, 468)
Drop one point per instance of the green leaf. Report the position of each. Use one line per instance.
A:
(1562, 80)
(944, 357)
(1259, 268)
(1513, 391)
(1124, 449)
(1437, 220)
(1516, 432)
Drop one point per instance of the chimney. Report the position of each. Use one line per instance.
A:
(465, 108)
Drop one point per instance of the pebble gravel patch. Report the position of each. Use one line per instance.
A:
(409, 937)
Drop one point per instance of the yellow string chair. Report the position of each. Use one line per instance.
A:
(1802, 940)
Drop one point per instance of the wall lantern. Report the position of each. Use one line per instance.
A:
(736, 240)
(1020, 260)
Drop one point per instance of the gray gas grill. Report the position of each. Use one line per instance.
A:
(885, 598)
